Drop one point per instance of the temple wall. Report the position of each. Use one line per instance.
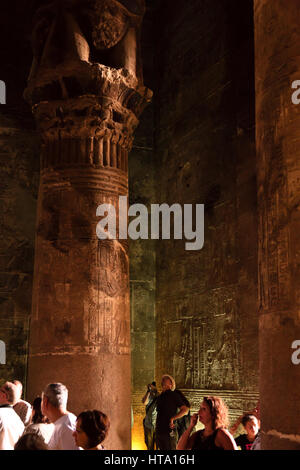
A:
(19, 177)
(142, 160)
(142, 276)
(206, 301)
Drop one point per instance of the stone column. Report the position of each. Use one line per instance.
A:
(86, 91)
(277, 46)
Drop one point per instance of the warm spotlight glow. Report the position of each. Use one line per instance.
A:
(137, 438)
(137, 445)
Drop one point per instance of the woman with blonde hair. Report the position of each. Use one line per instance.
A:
(213, 414)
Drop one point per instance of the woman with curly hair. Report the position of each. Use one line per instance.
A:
(91, 430)
(213, 414)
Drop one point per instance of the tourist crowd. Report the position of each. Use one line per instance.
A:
(168, 424)
(48, 425)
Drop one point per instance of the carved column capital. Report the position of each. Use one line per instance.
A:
(85, 81)
(87, 50)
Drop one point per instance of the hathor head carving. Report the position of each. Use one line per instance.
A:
(93, 31)
(86, 51)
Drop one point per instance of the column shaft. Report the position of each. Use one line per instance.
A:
(277, 42)
(80, 324)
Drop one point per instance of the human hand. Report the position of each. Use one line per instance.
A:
(194, 420)
(172, 425)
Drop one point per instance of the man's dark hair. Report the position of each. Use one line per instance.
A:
(38, 416)
(31, 441)
(248, 418)
(95, 424)
(154, 384)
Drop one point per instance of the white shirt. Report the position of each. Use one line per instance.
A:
(62, 437)
(11, 428)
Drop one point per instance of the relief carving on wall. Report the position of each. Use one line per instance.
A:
(202, 350)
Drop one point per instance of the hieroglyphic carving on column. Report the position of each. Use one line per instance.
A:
(273, 239)
(278, 169)
(273, 193)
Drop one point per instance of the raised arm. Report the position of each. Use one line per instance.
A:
(186, 441)
(254, 412)
(145, 398)
(235, 426)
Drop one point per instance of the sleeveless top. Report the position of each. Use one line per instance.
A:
(205, 443)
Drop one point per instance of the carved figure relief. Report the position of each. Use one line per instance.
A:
(202, 350)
